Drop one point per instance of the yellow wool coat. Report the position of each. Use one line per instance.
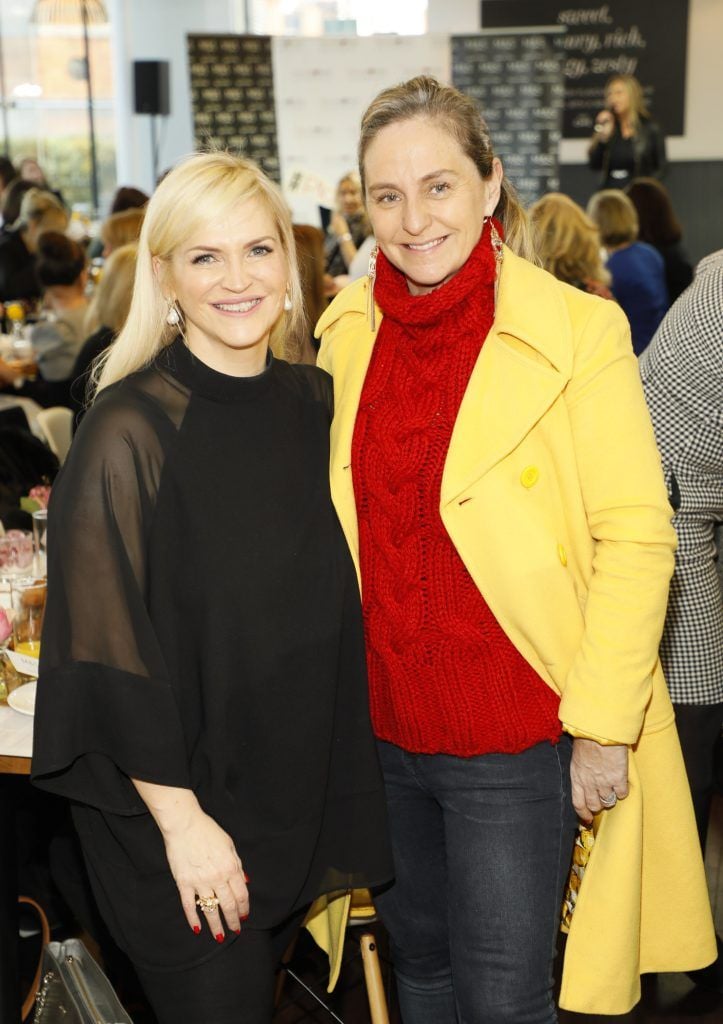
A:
(553, 496)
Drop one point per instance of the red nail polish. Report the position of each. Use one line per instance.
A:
(245, 917)
(246, 878)
(238, 930)
(219, 937)
(196, 929)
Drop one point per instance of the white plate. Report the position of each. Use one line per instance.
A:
(23, 699)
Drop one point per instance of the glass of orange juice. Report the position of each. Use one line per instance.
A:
(28, 609)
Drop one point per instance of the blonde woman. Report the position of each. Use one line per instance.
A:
(202, 694)
(104, 319)
(121, 229)
(39, 212)
(347, 230)
(568, 244)
(495, 472)
(626, 142)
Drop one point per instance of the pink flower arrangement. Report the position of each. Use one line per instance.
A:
(37, 498)
(5, 627)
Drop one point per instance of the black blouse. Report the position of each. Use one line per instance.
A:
(203, 630)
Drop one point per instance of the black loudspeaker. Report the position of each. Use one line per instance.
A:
(150, 79)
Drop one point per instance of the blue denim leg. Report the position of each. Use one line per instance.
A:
(482, 847)
(414, 910)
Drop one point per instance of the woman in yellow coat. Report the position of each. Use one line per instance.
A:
(550, 496)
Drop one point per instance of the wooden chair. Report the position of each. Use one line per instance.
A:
(361, 914)
(29, 1001)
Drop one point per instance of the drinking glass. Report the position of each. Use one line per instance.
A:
(28, 610)
(40, 554)
(16, 552)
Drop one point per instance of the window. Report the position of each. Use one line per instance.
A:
(333, 17)
(43, 100)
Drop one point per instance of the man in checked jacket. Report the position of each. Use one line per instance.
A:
(682, 371)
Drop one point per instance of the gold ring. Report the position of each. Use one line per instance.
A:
(207, 903)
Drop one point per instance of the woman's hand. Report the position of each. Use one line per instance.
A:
(599, 776)
(338, 225)
(604, 126)
(204, 863)
(9, 372)
(202, 858)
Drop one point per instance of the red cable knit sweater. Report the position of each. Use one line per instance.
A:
(444, 677)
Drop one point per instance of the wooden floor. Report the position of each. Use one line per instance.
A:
(667, 998)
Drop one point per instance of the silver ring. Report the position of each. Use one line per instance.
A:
(610, 801)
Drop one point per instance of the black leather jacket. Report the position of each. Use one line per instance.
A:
(648, 153)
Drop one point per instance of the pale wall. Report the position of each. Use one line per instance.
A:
(156, 30)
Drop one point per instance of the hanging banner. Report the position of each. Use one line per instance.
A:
(518, 84)
(644, 38)
(322, 87)
(232, 91)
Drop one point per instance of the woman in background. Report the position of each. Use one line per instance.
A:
(12, 197)
(347, 230)
(118, 229)
(39, 212)
(626, 142)
(637, 269)
(30, 170)
(659, 227)
(568, 244)
(121, 229)
(105, 318)
(56, 339)
(127, 197)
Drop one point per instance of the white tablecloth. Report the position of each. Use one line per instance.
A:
(16, 733)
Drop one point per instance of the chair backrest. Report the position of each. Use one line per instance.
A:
(57, 425)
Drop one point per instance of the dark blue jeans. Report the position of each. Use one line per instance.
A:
(482, 848)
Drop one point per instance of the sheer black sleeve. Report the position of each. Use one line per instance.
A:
(105, 707)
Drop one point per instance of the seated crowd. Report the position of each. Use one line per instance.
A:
(627, 247)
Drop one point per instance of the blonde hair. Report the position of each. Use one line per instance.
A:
(113, 293)
(425, 97)
(41, 208)
(615, 216)
(205, 187)
(567, 241)
(353, 178)
(121, 228)
(638, 107)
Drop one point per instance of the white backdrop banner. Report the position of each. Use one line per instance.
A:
(321, 88)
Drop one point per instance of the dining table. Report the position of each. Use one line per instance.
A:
(16, 744)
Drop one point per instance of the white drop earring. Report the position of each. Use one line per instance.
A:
(173, 317)
(288, 304)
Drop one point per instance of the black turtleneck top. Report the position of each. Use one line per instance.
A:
(203, 630)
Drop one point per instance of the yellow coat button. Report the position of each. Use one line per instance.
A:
(562, 554)
(529, 476)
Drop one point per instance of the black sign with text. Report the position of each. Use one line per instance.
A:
(645, 38)
(517, 83)
(232, 90)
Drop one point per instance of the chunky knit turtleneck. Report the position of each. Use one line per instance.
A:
(444, 677)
